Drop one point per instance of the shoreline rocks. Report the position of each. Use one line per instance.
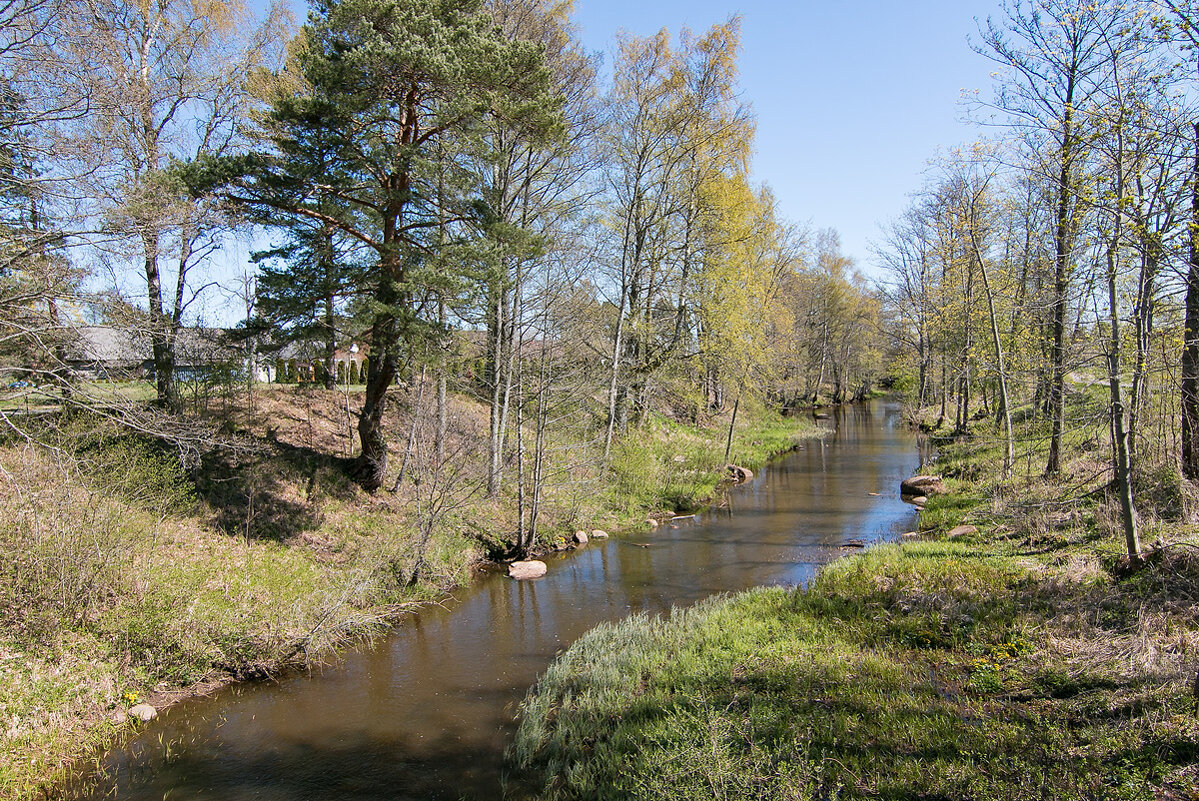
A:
(143, 712)
(921, 485)
(738, 474)
(961, 531)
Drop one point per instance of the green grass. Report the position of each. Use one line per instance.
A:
(1025, 661)
(114, 589)
(677, 467)
(920, 671)
(124, 577)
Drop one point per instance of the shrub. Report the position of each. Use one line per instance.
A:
(1159, 490)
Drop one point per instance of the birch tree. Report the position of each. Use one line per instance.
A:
(169, 87)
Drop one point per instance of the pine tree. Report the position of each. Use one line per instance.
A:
(390, 93)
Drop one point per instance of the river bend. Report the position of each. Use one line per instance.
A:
(426, 712)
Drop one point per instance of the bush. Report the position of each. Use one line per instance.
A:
(1160, 490)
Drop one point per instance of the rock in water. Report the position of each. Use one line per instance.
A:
(599, 534)
(581, 537)
(143, 712)
(739, 474)
(921, 485)
(529, 569)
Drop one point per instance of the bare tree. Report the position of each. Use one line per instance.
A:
(1053, 66)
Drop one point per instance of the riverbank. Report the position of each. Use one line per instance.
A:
(128, 580)
(1019, 659)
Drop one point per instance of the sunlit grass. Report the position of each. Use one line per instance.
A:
(677, 467)
(1024, 661)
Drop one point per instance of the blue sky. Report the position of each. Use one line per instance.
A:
(852, 98)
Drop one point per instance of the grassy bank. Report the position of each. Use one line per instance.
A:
(678, 467)
(1020, 661)
(126, 578)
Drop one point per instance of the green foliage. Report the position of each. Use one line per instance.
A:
(110, 586)
(678, 467)
(365, 135)
(141, 473)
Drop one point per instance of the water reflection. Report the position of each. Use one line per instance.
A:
(426, 713)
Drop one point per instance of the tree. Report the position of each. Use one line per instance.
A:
(1129, 149)
(305, 279)
(168, 88)
(968, 191)
(301, 288)
(675, 126)
(737, 289)
(905, 254)
(1053, 65)
(535, 189)
(395, 87)
(1184, 16)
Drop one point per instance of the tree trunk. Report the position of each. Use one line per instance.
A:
(498, 341)
(410, 448)
(614, 387)
(963, 423)
(162, 341)
(1001, 367)
(728, 444)
(442, 404)
(329, 321)
(371, 465)
(539, 452)
(1190, 350)
(944, 392)
(1063, 244)
(1121, 465)
(1143, 318)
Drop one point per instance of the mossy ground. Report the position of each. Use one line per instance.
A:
(1025, 661)
(126, 578)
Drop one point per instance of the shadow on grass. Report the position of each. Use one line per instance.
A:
(270, 495)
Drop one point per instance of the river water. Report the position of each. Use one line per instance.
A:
(426, 712)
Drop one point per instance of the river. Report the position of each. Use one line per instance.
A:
(426, 712)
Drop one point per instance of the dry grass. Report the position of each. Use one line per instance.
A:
(124, 578)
